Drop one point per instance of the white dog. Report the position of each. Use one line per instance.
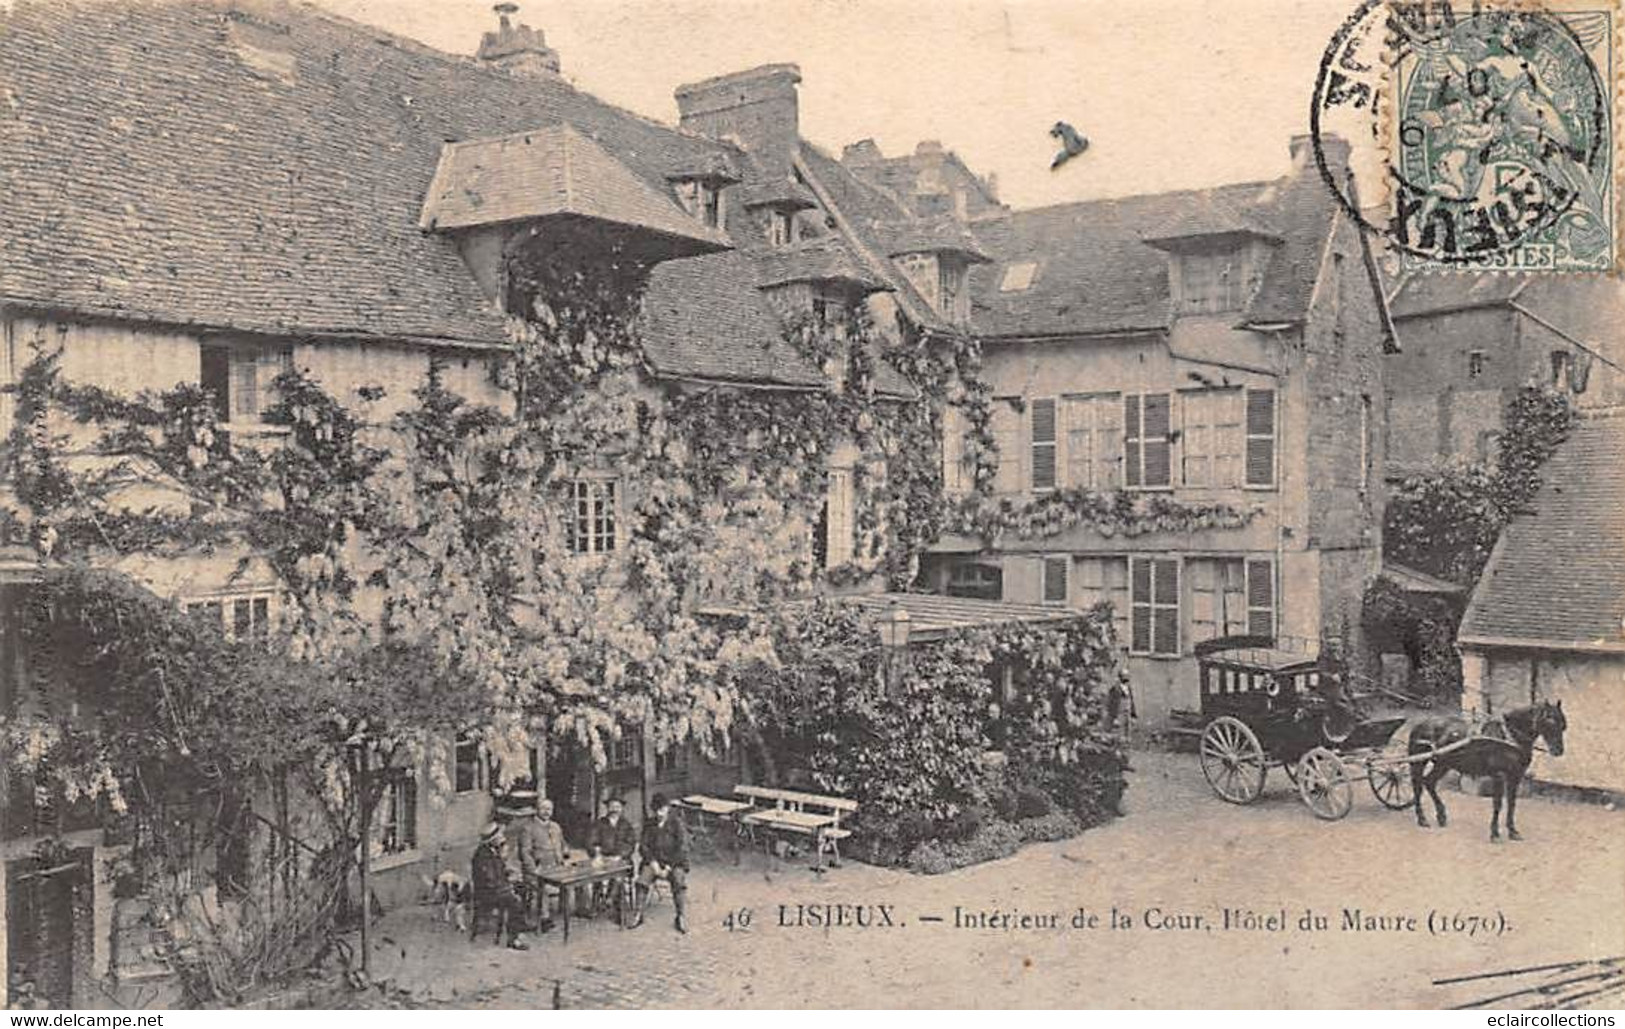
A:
(452, 892)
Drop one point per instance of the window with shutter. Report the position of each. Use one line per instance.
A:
(1090, 429)
(1261, 597)
(1261, 438)
(1154, 595)
(1104, 580)
(841, 520)
(956, 477)
(1210, 438)
(1042, 413)
(1147, 452)
(1055, 575)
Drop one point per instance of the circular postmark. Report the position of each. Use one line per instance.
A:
(1492, 133)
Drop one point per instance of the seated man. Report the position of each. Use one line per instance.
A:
(665, 856)
(541, 849)
(493, 889)
(612, 837)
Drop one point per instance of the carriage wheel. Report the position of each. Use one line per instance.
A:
(1390, 778)
(1323, 782)
(1233, 760)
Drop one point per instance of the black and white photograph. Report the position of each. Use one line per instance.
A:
(811, 504)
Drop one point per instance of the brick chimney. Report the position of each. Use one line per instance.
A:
(518, 49)
(756, 109)
(861, 154)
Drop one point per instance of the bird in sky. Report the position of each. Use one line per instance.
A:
(1072, 144)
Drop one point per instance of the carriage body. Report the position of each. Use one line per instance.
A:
(1264, 707)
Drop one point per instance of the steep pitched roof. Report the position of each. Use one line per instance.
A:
(1557, 577)
(699, 298)
(1097, 272)
(549, 172)
(1437, 294)
(188, 162)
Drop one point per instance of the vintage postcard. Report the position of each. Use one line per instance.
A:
(842, 504)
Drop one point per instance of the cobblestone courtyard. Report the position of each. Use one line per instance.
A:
(1171, 868)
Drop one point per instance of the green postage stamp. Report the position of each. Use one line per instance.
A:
(1501, 137)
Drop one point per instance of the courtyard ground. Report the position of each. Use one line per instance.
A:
(1170, 868)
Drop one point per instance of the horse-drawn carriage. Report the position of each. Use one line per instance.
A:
(1263, 707)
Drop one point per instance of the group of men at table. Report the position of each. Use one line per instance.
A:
(511, 861)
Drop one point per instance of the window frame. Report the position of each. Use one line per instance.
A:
(245, 375)
(1152, 605)
(594, 532)
(1212, 404)
(397, 814)
(841, 516)
(1135, 440)
(1477, 362)
(478, 781)
(262, 607)
(781, 227)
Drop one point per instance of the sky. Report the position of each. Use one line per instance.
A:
(1170, 93)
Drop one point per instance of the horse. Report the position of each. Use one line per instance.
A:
(1503, 760)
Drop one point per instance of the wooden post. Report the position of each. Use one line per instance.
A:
(363, 792)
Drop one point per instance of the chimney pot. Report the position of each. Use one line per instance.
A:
(518, 49)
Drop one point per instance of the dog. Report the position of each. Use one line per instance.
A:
(452, 893)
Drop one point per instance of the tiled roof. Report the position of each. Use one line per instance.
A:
(545, 173)
(823, 259)
(1433, 294)
(1099, 273)
(699, 298)
(866, 208)
(928, 235)
(168, 160)
(1557, 577)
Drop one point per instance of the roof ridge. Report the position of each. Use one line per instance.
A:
(408, 44)
(1013, 212)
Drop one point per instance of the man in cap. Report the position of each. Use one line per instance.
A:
(493, 889)
(665, 856)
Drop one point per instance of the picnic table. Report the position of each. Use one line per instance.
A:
(808, 814)
(567, 878)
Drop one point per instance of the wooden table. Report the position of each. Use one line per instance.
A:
(566, 878)
(803, 822)
(713, 811)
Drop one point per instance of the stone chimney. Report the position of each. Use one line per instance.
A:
(518, 49)
(861, 154)
(1335, 147)
(756, 109)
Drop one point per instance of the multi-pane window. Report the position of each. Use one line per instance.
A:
(1475, 363)
(239, 379)
(398, 814)
(1146, 443)
(1104, 579)
(672, 763)
(1055, 579)
(467, 768)
(1006, 430)
(240, 617)
(594, 516)
(956, 476)
(1154, 596)
(626, 752)
(1093, 427)
(840, 519)
(1042, 423)
(1211, 283)
(1211, 437)
(1261, 437)
(1231, 596)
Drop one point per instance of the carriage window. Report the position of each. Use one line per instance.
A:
(1154, 588)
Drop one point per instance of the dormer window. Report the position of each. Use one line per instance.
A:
(701, 198)
(1212, 282)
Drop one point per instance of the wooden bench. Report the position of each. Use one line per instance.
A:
(811, 814)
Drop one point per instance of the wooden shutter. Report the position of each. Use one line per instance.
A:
(1043, 443)
(1154, 431)
(1132, 465)
(1196, 437)
(1260, 598)
(1108, 441)
(1007, 439)
(1140, 600)
(1165, 605)
(1261, 437)
(1055, 570)
(955, 477)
